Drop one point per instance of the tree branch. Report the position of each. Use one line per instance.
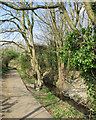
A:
(30, 8)
(67, 17)
(41, 18)
(9, 42)
(90, 13)
(9, 31)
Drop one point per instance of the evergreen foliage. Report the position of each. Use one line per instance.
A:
(80, 49)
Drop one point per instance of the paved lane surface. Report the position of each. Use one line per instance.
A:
(17, 101)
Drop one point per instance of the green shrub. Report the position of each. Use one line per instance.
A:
(7, 56)
(26, 64)
(80, 49)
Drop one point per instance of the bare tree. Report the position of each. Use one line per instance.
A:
(24, 23)
(57, 23)
(23, 19)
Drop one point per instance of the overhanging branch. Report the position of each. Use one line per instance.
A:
(9, 42)
(40, 18)
(30, 8)
(9, 31)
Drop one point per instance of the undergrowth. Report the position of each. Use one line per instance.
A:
(56, 107)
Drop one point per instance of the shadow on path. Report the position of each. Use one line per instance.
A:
(17, 101)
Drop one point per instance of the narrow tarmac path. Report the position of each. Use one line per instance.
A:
(17, 101)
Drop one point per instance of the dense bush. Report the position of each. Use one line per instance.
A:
(80, 49)
(46, 57)
(26, 64)
(7, 56)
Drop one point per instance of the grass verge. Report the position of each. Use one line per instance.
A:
(25, 78)
(56, 107)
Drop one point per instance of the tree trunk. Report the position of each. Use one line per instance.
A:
(37, 67)
(90, 12)
(61, 77)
